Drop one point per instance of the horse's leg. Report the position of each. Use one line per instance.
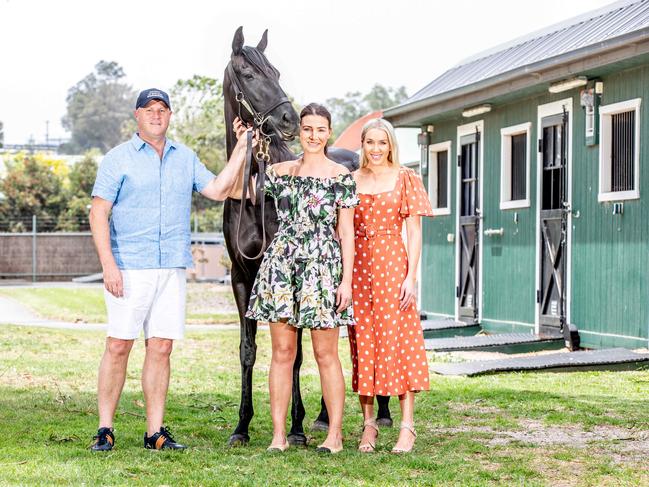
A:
(247, 356)
(383, 417)
(296, 436)
(321, 423)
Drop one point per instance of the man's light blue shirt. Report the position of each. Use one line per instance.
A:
(149, 225)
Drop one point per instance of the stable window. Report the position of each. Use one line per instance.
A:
(619, 151)
(439, 178)
(515, 166)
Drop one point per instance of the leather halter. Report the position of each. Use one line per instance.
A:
(258, 121)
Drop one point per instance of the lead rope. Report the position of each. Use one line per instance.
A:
(260, 184)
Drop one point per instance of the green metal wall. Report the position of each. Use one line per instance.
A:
(609, 255)
(438, 256)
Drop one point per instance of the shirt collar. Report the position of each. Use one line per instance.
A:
(138, 143)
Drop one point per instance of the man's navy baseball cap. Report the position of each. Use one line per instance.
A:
(152, 94)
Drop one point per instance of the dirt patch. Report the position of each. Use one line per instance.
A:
(624, 444)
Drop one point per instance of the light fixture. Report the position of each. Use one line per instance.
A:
(423, 139)
(479, 110)
(568, 84)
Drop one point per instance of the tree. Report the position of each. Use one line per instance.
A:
(199, 123)
(74, 217)
(354, 104)
(98, 107)
(199, 120)
(2, 135)
(32, 186)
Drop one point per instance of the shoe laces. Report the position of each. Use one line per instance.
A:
(166, 432)
(101, 437)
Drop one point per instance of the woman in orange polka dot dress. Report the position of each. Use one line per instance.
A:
(387, 343)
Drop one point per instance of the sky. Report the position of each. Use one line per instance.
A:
(323, 48)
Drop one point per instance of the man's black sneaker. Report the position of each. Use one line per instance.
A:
(162, 440)
(104, 440)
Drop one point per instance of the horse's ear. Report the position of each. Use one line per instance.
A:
(263, 42)
(237, 42)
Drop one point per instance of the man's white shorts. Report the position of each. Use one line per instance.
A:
(154, 299)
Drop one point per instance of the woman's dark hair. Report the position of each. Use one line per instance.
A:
(320, 111)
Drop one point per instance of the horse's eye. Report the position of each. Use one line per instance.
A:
(248, 76)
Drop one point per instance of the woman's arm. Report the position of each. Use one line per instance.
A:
(345, 231)
(408, 292)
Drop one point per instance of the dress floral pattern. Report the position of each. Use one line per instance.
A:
(302, 267)
(387, 344)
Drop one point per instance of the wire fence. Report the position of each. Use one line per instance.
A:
(60, 248)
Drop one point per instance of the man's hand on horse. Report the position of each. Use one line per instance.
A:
(240, 128)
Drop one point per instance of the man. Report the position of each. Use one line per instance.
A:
(144, 249)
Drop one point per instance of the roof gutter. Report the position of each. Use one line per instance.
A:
(410, 114)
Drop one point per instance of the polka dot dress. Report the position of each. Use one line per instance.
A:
(387, 344)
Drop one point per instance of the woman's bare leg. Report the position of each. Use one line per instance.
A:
(280, 378)
(325, 349)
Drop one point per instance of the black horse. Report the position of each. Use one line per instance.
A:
(252, 92)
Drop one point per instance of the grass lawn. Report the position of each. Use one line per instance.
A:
(206, 303)
(515, 429)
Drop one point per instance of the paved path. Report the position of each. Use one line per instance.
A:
(14, 313)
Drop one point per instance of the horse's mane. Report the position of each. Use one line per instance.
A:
(279, 150)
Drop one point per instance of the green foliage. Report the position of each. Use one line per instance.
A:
(199, 123)
(198, 119)
(98, 106)
(74, 217)
(31, 186)
(355, 104)
(83, 173)
(208, 219)
(2, 135)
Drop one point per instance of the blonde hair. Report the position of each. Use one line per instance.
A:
(381, 124)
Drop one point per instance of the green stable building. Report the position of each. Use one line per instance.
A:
(536, 157)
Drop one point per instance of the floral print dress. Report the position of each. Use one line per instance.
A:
(302, 267)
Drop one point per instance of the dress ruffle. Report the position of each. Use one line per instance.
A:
(414, 200)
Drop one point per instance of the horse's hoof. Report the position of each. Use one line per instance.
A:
(385, 422)
(296, 439)
(319, 426)
(238, 439)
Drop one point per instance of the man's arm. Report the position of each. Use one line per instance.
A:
(219, 187)
(99, 212)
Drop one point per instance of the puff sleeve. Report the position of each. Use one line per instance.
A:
(414, 200)
(270, 184)
(345, 189)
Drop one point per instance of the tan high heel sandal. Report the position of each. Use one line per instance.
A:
(369, 447)
(411, 428)
(279, 448)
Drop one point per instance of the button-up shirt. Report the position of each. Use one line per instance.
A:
(151, 196)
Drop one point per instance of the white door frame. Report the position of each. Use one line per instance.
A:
(468, 129)
(546, 110)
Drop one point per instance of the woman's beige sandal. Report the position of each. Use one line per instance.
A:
(368, 446)
(278, 448)
(411, 429)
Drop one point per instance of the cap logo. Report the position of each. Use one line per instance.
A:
(154, 94)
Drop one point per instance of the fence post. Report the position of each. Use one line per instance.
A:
(33, 248)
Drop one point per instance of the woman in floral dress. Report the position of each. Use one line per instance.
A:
(305, 277)
(387, 344)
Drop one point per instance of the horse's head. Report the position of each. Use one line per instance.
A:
(253, 84)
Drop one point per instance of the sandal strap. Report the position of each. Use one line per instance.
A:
(372, 424)
(410, 427)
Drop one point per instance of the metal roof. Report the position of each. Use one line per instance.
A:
(590, 29)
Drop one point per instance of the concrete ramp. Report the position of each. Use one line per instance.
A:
(606, 359)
